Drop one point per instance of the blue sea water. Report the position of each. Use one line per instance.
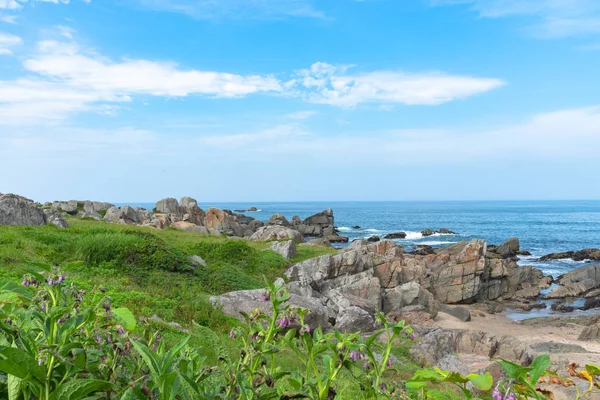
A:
(542, 226)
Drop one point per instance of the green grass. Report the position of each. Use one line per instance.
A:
(146, 269)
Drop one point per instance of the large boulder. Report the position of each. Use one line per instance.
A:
(250, 300)
(220, 221)
(590, 333)
(316, 271)
(577, 282)
(286, 248)
(510, 248)
(323, 219)
(55, 218)
(18, 210)
(191, 212)
(409, 294)
(275, 232)
(168, 206)
(278, 219)
(127, 215)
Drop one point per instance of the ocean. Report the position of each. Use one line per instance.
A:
(542, 226)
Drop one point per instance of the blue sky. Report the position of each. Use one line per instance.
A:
(281, 100)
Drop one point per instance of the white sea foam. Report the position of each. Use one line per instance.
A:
(372, 230)
(344, 229)
(413, 235)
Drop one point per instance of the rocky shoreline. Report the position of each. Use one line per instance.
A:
(426, 287)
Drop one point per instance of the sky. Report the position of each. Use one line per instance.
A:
(300, 100)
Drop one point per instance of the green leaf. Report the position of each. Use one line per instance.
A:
(481, 382)
(133, 393)
(79, 389)
(72, 265)
(427, 375)
(592, 369)
(19, 363)
(514, 371)
(45, 267)
(148, 357)
(538, 366)
(173, 353)
(7, 286)
(189, 388)
(14, 387)
(126, 317)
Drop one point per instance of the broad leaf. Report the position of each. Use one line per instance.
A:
(79, 389)
(19, 363)
(481, 382)
(538, 366)
(592, 369)
(126, 317)
(7, 286)
(148, 357)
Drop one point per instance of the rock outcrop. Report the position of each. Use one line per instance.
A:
(592, 254)
(319, 225)
(276, 232)
(20, 211)
(286, 248)
(577, 282)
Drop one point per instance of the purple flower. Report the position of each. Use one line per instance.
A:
(265, 297)
(98, 339)
(26, 283)
(43, 307)
(389, 363)
(283, 322)
(60, 279)
(366, 365)
(232, 334)
(50, 282)
(106, 307)
(121, 331)
(307, 328)
(361, 356)
(108, 339)
(413, 336)
(354, 355)
(61, 321)
(511, 397)
(102, 290)
(383, 388)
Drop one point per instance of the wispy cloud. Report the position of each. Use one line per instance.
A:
(300, 115)
(556, 18)
(328, 84)
(237, 9)
(64, 78)
(7, 42)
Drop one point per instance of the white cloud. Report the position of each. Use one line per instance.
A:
(557, 18)
(300, 115)
(65, 31)
(9, 4)
(7, 41)
(9, 19)
(236, 9)
(327, 84)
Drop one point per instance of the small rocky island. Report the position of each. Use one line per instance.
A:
(455, 296)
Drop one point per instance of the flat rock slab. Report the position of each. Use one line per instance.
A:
(553, 347)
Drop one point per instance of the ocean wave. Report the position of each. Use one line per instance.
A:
(344, 229)
(372, 230)
(413, 235)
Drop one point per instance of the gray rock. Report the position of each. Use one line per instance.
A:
(510, 248)
(250, 300)
(577, 282)
(168, 206)
(127, 215)
(354, 319)
(554, 347)
(409, 294)
(197, 261)
(427, 232)
(320, 242)
(55, 218)
(286, 248)
(278, 219)
(590, 333)
(452, 363)
(397, 235)
(461, 313)
(18, 210)
(275, 232)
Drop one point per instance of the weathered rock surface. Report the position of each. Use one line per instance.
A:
(510, 248)
(555, 347)
(127, 215)
(409, 294)
(435, 344)
(286, 248)
(590, 333)
(250, 300)
(577, 282)
(592, 254)
(20, 211)
(197, 261)
(275, 232)
(397, 235)
(462, 313)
